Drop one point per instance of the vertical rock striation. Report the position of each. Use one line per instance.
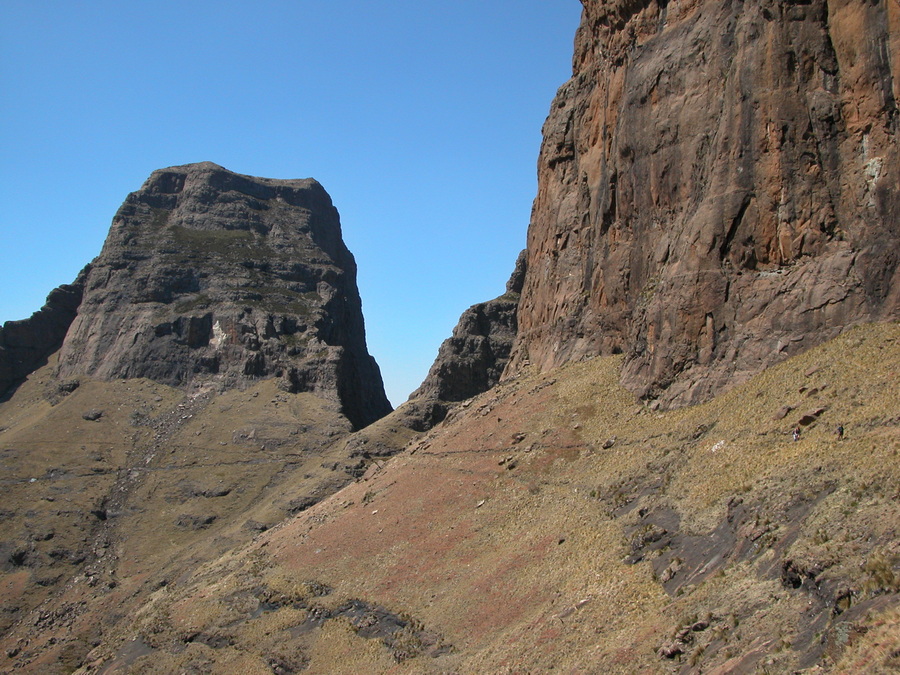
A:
(718, 189)
(208, 273)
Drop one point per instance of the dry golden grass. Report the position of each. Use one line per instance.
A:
(98, 513)
(702, 457)
(875, 648)
(513, 531)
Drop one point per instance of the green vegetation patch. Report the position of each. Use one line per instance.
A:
(160, 217)
(238, 244)
(197, 302)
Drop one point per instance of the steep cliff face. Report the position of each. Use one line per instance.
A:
(718, 189)
(26, 344)
(209, 273)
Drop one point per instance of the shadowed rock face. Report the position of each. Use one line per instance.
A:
(26, 344)
(718, 189)
(472, 360)
(207, 273)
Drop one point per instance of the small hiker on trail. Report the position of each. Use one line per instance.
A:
(796, 433)
(840, 432)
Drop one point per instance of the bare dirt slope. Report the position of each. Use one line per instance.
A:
(552, 523)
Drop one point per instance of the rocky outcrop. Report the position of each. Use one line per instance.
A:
(26, 344)
(208, 273)
(473, 359)
(718, 189)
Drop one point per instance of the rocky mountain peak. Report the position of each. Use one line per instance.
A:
(211, 274)
(718, 191)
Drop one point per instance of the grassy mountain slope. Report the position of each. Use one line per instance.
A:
(552, 523)
(117, 489)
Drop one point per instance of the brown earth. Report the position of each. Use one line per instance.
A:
(552, 523)
(116, 489)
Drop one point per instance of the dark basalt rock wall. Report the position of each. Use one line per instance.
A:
(207, 273)
(26, 344)
(718, 189)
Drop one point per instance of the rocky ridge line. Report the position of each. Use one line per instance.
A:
(472, 360)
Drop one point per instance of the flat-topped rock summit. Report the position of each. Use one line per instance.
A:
(212, 274)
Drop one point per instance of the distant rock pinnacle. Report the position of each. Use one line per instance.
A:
(472, 360)
(26, 344)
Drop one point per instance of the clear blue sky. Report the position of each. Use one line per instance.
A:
(422, 119)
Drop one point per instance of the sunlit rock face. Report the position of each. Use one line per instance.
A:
(210, 274)
(718, 189)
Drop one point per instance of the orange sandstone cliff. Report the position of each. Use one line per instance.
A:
(718, 189)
